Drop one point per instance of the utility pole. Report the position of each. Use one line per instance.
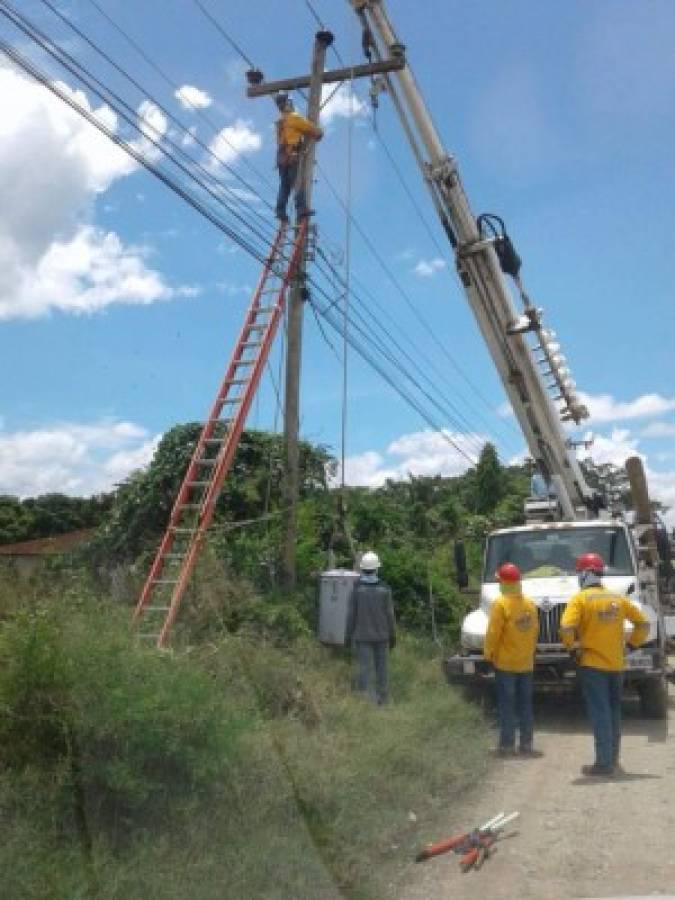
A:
(258, 88)
(291, 486)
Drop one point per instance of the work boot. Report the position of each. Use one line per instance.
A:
(505, 752)
(597, 769)
(528, 750)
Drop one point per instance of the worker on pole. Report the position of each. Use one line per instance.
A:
(293, 130)
(510, 644)
(592, 628)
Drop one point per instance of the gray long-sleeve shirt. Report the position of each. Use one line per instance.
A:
(371, 613)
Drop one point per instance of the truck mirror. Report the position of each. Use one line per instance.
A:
(461, 572)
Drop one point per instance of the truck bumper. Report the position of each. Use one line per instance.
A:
(550, 669)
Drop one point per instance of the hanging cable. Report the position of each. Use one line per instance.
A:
(221, 30)
(126, 113)
(222, 186)
(200, 207)
(348, 248)
(175, 87)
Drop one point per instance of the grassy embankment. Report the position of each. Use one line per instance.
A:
(230, 768)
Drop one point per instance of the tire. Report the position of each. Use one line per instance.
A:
(653, 694)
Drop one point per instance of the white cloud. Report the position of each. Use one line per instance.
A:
(659, 430)
(72, 458)
(85, 274)
(605, 408)
(191, 97)
(426, 268)
(52, 166)
(419, 453)
(232, 141)
(615, 448)
(341, 105)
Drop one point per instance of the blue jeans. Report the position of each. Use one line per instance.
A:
(288, 177)
(377, 652)
(602, 695)
(514, 697)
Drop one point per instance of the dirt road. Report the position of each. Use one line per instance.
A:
(577, 837)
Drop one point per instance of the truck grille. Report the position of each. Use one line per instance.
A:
(549, 624)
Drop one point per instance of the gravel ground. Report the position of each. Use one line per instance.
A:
(576, 837)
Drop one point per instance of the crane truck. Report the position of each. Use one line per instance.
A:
(564, 517)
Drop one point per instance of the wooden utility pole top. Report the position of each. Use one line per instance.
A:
(259, 88)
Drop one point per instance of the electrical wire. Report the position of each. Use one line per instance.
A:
(125, 112)
(221, 30)
(219, 161)
(199, 206)
(175, 87)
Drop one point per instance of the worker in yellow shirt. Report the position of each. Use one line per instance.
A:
(592, 627)
(510, 644)
(293, 130)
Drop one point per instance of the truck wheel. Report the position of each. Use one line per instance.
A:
(653, 694)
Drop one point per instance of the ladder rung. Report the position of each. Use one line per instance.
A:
(246, 362)
(265, 309)
(215, 440)
(148, 637)
(252, 344)
(259, 327)
(206, 462)
(190, 506)
(231, 399)
(174, 556)
(182, 530)
(165, 581)
(157, 608)
(192, 484)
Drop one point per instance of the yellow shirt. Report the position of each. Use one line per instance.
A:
(512, 632)
(292, 127)
(595, 618)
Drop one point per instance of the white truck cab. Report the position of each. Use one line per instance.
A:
(546, 553)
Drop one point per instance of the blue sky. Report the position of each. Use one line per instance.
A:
(119, 305)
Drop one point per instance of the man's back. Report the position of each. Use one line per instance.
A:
(371, 613)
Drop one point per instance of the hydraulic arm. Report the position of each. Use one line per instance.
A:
(484, 255)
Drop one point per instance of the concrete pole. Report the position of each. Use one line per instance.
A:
(294, 336)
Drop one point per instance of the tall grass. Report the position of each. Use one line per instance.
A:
(233, 768)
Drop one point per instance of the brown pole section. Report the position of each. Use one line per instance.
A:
(294, 336)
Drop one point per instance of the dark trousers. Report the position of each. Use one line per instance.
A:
(602, 695)
(375, 652)
(514, 698)
(288, 178)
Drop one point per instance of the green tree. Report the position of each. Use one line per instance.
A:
(489, 480)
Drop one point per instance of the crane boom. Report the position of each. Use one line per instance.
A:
(483, 252)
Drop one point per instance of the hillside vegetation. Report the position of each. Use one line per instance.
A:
(240, 764)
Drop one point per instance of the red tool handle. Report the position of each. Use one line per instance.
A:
(441, 847)
(469, 859)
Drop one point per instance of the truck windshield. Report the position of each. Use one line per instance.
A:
(546, 553)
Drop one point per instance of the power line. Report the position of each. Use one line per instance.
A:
(176, 122)
(199, 206)
(221, 30)
(175, 87)
(121, 107)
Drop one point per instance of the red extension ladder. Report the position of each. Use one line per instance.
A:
(195, 504)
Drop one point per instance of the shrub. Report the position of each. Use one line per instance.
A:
(124, 732)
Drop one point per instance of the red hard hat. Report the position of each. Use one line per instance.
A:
(592, 562)
(508, 572)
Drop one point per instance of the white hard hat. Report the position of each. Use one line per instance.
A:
(369, 561)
